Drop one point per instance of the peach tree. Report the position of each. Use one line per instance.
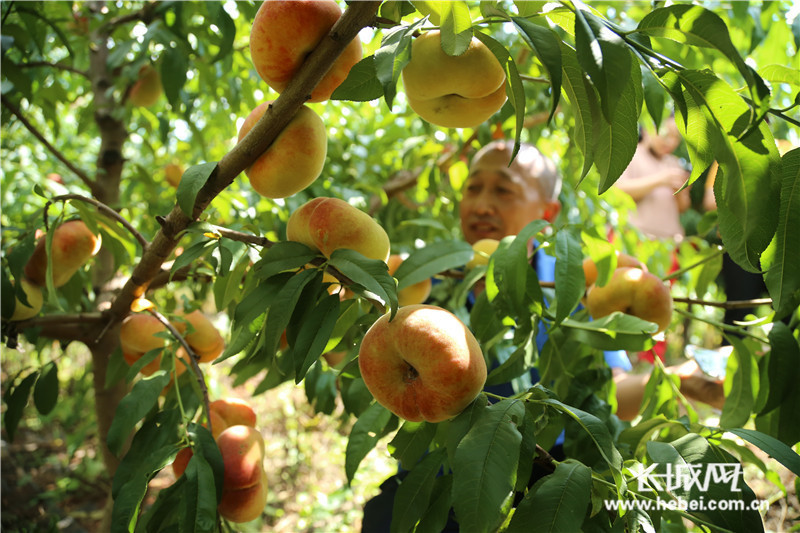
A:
(98, 98)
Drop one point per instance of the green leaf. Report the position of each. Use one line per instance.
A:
(569, 277)
(133, 407)
(227, 29)
(772, 446)
(455, 27)
(191, 253)
(45, 393)
(314, 334)
(430, 9)
(606, 58)
(783, 260)
(583, 98)
(191, 182)
(414, 495)
(434, 258)
(747, 186)
(518, 363)
(557, 503)
(739, 402)
(436, 516)
(202, 493)
(697, 26)
(283, 256)
(365, 434)
(783, 367)
(393, 55)
(616, 331)
(16, 398)
(283, 306)
(513, 273)
(485, 466)
(514, 89)
(411, 442)
(596, 430)
(362, 83)
(616, 138)
(547, 46)
(174, 65)
(371, 274)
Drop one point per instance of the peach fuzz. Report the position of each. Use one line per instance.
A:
(242, 449)
(424, 364)
(246, 504)
(204, 339)
(283, 34)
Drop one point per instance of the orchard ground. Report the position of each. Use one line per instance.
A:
(48, 471)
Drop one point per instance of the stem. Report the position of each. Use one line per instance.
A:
(31, 128)
(102, 208)
(723, 326)
(54, 65)
(732, 304)
(718, 252)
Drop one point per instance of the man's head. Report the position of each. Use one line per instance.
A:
(499, 200)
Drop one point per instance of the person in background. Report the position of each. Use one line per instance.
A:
(500, 198)
(652, 179)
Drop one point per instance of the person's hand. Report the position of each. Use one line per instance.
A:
(698, 386)
(676, 178)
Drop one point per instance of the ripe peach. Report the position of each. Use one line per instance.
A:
(147, 89)
(294, 159)
(623, 260)
(242, 449)
(483, 249)
(635, 292)
(327, 224)
(173, 172)
(35, 302)
(205, 340)
(246, 504)
(424, 364)
(137, 334)
(453, 91)
(413, 294)
(284, 33)
(233, 412)
(73, 245)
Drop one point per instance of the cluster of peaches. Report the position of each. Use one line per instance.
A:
(141, 333)
(244, 485)
(73, 244)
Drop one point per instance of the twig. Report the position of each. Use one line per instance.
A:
(102, 208)
(239, 236)
(731, 304)
(192, 359)
(30, 127)
(59, 66)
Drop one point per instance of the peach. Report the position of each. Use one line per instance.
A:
(242, 449)
(35, 301)
(483, 249)
(73, 245)
(173, 172)
(294, 159)
(284, 33)
(233, 412)
(328, 224)
(424, 364)
(205, 340)
(246, 504)
(453, 91)
(147, 89)
(623, 260)
(635, 292)
(137, 334)
(413, 294)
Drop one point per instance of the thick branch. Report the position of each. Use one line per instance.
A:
(30, 127)
(357, 16)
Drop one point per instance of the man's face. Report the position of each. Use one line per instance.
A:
(499, 200)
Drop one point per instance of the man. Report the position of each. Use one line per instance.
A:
(499, 199)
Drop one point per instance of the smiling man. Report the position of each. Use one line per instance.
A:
(500, 199)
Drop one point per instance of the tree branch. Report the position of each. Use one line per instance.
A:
(357, 16)
(103, 208)
(30, 127)
(731, 304)
(58, 66)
